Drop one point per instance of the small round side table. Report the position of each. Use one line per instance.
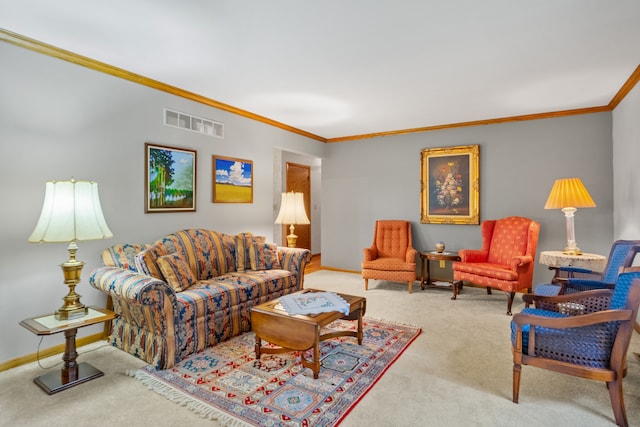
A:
(556, 259)
(426, 258)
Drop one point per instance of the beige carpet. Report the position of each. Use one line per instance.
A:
(457, 373)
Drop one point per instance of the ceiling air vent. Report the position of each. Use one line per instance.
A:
(185, 121)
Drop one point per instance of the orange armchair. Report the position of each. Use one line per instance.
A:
(505, 261)
(391, 256)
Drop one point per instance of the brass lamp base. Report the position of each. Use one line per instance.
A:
(71, 314)
(72, 269)
(291, 238)
(572, 251)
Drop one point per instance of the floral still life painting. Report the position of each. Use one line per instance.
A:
(170, 183)
(450, 190)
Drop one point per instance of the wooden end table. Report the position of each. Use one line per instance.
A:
(72, 373)
(425, 260)
(270, 322)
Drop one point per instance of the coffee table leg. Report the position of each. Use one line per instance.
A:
(258, 345)
(316, 360)
(360, 327)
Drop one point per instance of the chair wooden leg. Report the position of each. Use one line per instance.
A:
(456, 285)
(617, 402)
(488, 290)
(517, 368)
(510, 302)
(366, 284)
(410, 286)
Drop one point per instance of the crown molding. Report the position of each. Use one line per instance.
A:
(65, 55)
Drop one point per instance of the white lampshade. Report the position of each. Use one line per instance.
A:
(292, 209)
(71, 212)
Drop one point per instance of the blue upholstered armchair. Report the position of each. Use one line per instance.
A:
(571, 279)
(585, 334)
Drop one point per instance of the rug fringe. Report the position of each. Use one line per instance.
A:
(200, 408)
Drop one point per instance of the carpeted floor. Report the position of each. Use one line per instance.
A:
(227, 383)
(456, 373)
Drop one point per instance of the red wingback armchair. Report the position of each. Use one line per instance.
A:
(505, 261)
(391, 256)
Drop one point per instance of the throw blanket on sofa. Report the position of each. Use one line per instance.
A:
(192, 289)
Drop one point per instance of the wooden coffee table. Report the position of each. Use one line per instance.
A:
(298, 332)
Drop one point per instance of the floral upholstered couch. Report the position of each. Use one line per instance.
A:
(192, 289)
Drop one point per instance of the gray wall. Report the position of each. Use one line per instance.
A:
(59, 120)
(379, 178)
(626, 173)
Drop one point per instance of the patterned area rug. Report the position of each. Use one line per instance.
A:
(228, 384)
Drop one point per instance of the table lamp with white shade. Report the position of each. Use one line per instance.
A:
(292, 212)
(71, 212)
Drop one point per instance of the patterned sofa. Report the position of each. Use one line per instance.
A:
(192, 289)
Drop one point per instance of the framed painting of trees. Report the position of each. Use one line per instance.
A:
(170, 179)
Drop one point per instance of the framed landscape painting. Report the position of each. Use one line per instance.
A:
(170, 179)
(232, 180)
(450, 190)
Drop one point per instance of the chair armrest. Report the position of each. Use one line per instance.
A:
(592, 300)
(604, 316)
(519, 261)
(586, 284)
(370, 253)
(582, 323)
(473, 255)
(564, 273)
(577, 270)
(411, 256)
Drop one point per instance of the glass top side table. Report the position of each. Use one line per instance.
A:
(73, 373)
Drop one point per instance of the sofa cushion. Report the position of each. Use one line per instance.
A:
(176, 271)
(123, 256)
(264, 256)
(208, 253)
(146, 260)
(485, 269)
(243, 247)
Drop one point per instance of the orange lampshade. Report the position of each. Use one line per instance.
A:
(569, 192)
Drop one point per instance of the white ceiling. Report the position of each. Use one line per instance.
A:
(338, 68)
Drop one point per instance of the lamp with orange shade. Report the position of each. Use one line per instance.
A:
(568, 194)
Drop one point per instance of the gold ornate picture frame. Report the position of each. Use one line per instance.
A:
(450, 188)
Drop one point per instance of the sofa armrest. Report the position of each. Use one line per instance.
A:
(141, 300)
(294, 260)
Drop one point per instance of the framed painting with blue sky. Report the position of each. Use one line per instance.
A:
(232, 180)
(170, 179)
